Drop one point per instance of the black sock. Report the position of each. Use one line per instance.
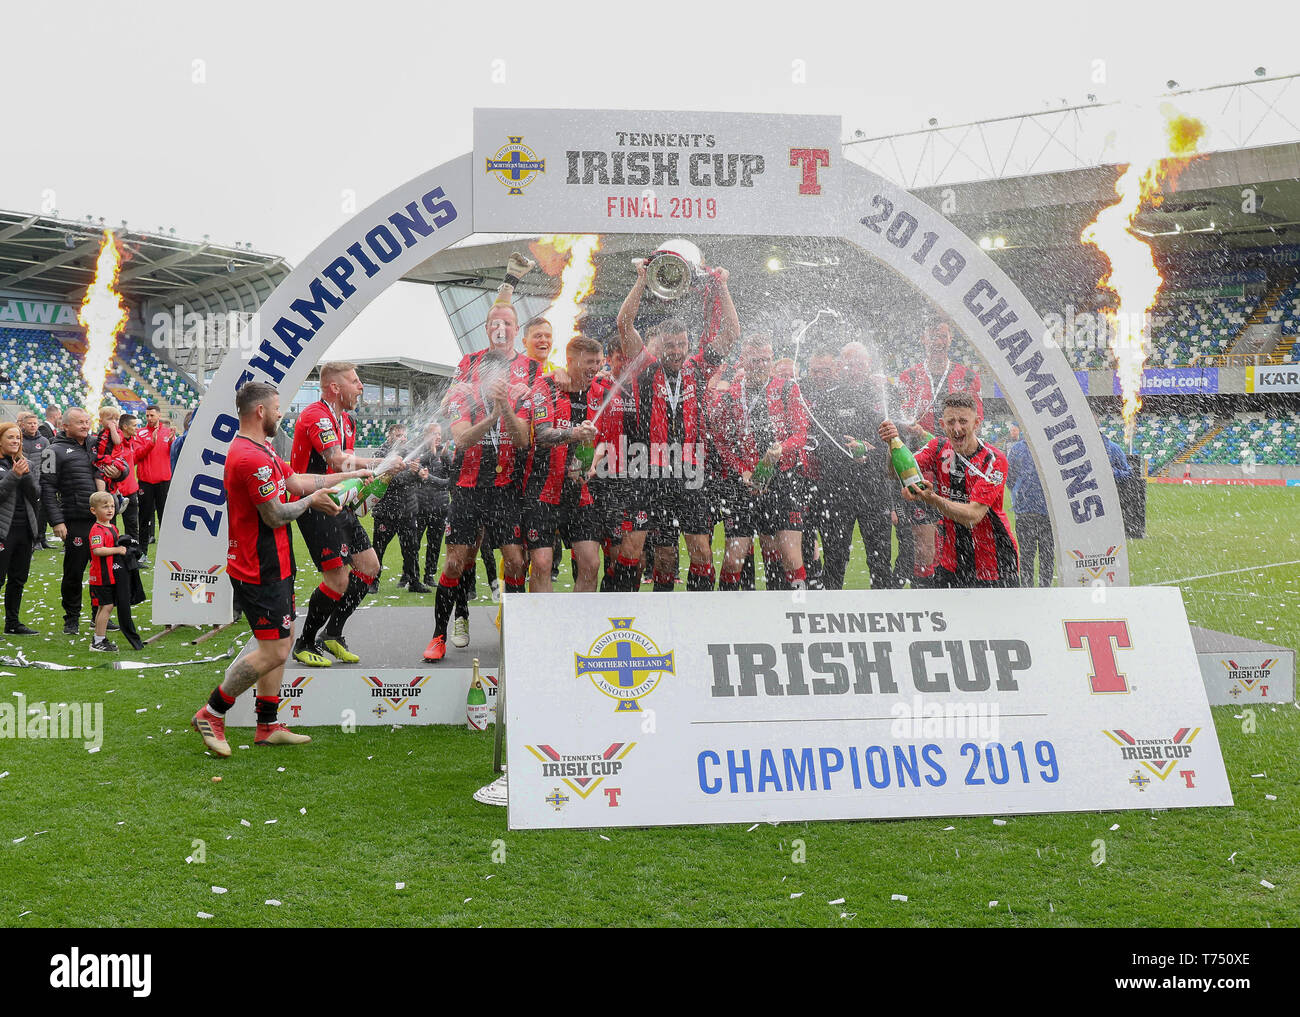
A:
(267, 709)
(320, 606)
(443, 604)
(699, 578)
(626, 575)
(219, 702)
(358, 587)
(747, 573)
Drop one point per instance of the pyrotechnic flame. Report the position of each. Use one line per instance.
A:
(1155, 158)
(103, 314)
(573, 256)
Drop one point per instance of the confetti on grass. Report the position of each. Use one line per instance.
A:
(837, 900)
(796, 896)
(898, 896)
(1267, 885)
(218, 889)
(203, 914)
(999, 822)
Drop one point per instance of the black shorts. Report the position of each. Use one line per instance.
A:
(269, 607)
(778, 508)
(492, 510)
(569, 520)
(333, 540)
(945, 580)
(679, 509)
(102, 595)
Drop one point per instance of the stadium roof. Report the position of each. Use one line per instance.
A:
(55, 258)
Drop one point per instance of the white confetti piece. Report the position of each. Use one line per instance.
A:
(1259, 774)
(273, 903)
(279, 769)
(400, 886)
(19, 840)
(752, 828)
(302, 812)
(245, 822)
(189, 859)
(1270, 798)
(243, 746)
(848, 914)
(993, 903)
(1267, 885)
(203, 914)
(1114, 826)
(1232, 856)
(489, 876)
(602, 836)
(24, 914)
(947, 828)
(92, 751)
(218, 889)
(370, 757)
(898, 896)
(795, 896)
(999, 822)
(467, 900)
(143, 709)
(270, 821)
(837, 900)
(121, 822)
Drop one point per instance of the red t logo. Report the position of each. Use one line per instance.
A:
(1187, 776)
(612, 794)
(810, 159)
(1096, 637)
(414, 708)
(295, 707)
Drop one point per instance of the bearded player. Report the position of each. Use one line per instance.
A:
(260, 564)
(667, 420)
(323, 440)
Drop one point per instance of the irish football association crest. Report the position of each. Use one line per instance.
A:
(624, 664)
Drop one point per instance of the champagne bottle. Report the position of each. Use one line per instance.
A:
(858, 449)
(762, 475)
(585, 454)
(905, 464)
(476, 708)
(356, 489)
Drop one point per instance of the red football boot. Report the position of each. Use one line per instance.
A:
(436, 650)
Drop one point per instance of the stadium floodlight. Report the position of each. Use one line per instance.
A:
(1171, 84)
(1260, 72)
(774, 264)
(986, 243)
(934, 122)
(999, 242)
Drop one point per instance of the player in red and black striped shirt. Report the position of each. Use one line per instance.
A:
(556, 500)
(967, 485)
(260, 564)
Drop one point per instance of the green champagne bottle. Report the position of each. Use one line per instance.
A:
(476, 708)
(762, 475)
(905, 464)
(858, 449)
(585, 454)
(356, 489)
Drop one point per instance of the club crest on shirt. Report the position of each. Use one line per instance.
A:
(264, 473)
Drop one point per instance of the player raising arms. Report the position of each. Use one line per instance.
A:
(667, 420)
(323, 440)
(490, 438)
(260, 564)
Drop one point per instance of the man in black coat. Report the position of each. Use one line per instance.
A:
(67, 481)
(53, 422)
(34, 445)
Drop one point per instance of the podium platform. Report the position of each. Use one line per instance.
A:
(391, 684)
(1238, 670)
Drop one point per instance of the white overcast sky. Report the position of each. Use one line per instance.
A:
(303, 101)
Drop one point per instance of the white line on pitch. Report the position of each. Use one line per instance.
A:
(1229, 572)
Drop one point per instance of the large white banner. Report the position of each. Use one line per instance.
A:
(644, 710)
(1285, 378)
(641, 171)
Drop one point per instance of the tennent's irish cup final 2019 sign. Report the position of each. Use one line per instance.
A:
(641, 710)
(638, 172)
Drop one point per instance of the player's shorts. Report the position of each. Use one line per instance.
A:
(961, 580)
(269, 607)
(778, 508)
(492, 510)
(102, 595)
(332, 540)
(636, 502)
(569, 520)
(679, 509)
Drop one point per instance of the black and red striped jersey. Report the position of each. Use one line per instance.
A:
(318, 430)
(493, 460)
(255, 474)
(552, 406)
(987, 551)
(923, 392)
(101, 565)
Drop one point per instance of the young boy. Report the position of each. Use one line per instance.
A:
(109, 580)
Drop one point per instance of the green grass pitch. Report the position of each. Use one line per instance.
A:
(102, 839)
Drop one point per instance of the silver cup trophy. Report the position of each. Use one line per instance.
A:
(673, 269)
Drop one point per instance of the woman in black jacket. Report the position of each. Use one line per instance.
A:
(18, 501)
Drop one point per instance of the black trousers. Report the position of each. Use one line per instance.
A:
(131, 516)
(76, 558)
(122, 602)
(153, 498)
(1034, 535)
(402, 527)
(871, 515)
(15, 566)
(431, 526)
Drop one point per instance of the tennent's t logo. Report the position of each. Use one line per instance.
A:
(810, 159)
(1100, 639)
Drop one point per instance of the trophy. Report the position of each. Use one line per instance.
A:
(673, 269)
